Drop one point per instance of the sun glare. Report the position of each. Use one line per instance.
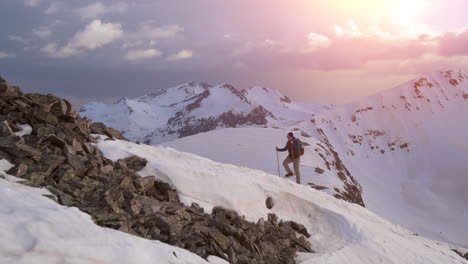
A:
(407, 12)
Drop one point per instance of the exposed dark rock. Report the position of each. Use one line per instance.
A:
(5, 129)
(45, 117)
(19, 170)
(352, 189)
(461, 254)
(59, 155)
(135, 163)
(269, 203)
(100, 128)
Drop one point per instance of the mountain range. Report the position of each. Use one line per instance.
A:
(402, 152)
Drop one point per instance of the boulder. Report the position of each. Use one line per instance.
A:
(5, 129)
(135, 163)
(79, 163)
(100, 128)
(43, 101)
(56, 141)
(299, 228)
(6, 89)
(10, 141)
(45, 117)
(18, 170)
(269, 203)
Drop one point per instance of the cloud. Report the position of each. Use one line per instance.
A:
(163, 32)
(96, 9)
(31, 2)
(181, 55)
(17, 38)
(142, 54)
(42, 32)
(4, 55)
(351, 29)
(152, 35)
(317, 41)
(53, 8)
(95, 35)
(453, 43)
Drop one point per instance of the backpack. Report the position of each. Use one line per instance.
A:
(302, 146)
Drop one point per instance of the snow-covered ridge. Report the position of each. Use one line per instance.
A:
(406, 147)
(194, 107)
(342, 232)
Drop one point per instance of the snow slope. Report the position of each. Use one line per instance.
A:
(255, 148)
(341, 231)
(192, 108)
(407, 147)
(35, 229)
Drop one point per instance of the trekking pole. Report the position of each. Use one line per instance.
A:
(277, 162)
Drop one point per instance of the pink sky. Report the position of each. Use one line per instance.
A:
(345, 49)
(312, 50)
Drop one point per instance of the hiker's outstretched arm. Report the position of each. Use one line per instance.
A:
(283, 149)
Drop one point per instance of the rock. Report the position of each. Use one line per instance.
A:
(56, 141)
(77, 145)
(100, 128)
(59, 109)
(6, 89)
(170, 194)
(79, 163)
(22, 151)
(135, 163)
(44, 130)
(43, 101)
(89, 148)
(19, 170)
(5, 129)
(144, 184)
(466, 256)
(10, 142)
(269, 203)
(5, 155)
(45, 117)
(114, 199)
(107, 169)
(299, 228)
(64, 198)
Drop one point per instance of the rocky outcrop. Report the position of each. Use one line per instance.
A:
(59, 155)
(352, 189)
(184, 126)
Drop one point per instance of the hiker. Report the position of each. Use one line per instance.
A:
(293, 146)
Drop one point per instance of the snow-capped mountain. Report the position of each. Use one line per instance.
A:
(194, 108)
(407, 148)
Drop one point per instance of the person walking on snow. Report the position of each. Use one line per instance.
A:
(293, 146)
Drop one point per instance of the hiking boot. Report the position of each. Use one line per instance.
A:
(288, 175)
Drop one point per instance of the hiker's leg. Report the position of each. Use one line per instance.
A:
(296, 170)
(285, 164)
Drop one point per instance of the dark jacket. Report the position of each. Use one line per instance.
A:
(293, 149)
